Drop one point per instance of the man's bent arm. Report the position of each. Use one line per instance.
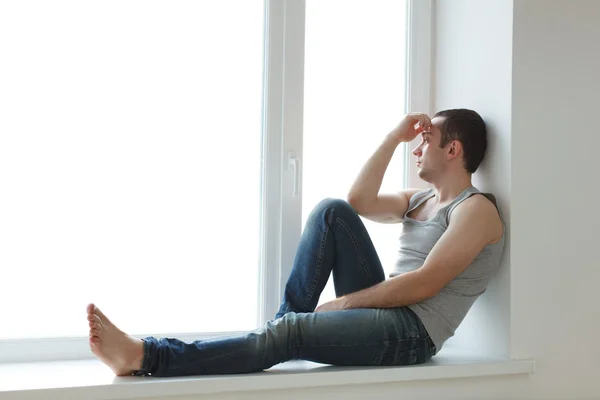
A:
(473, 224)
(399, 291)
(367, 184)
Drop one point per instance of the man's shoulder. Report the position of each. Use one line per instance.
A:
(480, 209)
(486, 201)
(478, 205)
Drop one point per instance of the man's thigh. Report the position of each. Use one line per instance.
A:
(363, 336)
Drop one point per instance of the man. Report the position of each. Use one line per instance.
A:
(451, 243)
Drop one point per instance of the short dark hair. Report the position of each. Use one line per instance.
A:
(468, 128)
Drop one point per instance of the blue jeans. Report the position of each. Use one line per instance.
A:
(334, 240)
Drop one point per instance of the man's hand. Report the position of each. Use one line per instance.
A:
(412, 125)
(334, 305)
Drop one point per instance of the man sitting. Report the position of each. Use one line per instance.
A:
(451, 243)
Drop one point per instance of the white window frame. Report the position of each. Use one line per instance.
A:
(419, 88)
(282, 162)
(283, 136)
(418, 99)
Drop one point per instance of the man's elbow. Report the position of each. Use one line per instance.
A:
(415, 287)
(428, 288)
(429, 291)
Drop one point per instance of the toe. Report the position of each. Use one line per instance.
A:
(95, 325)
(94, 340)
(95, 332)
(95, 314)
(93, 318)
(99, 314)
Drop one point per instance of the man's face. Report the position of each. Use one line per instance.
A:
(430, 156)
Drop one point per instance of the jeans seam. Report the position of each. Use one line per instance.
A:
(321, 254)
(320, 257)
(363, 261)
(378, 343)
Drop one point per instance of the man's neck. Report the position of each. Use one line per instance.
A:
(447, 189)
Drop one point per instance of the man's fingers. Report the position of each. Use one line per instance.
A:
(425, 122)
(422, 119)
(423, 125)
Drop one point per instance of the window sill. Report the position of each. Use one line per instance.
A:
(88, 379)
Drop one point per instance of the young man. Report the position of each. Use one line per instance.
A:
(451, 243)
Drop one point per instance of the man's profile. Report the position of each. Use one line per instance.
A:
(451, 243)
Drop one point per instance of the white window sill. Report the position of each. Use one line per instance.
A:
(90, 379)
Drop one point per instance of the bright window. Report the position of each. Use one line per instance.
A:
(355, 73)
(143, 155)
(130, 145)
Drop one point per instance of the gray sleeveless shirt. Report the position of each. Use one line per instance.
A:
(442, 313)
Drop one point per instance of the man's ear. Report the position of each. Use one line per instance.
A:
(454, 149)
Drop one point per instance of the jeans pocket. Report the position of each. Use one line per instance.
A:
(405, 352)
(401, 352)
(410, 357)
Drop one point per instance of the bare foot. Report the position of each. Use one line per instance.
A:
(122, 353)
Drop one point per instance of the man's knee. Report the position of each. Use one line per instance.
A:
(279, 331)
(333, 204)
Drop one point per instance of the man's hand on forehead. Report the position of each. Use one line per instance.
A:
(410, 127)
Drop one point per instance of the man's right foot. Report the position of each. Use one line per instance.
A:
(124, 354)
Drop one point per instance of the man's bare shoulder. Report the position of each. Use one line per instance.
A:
(479, 209)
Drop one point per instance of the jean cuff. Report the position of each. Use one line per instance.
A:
(150, 350)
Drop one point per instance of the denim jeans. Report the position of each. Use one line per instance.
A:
(335, 241)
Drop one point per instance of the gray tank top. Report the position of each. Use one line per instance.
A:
(442, 313)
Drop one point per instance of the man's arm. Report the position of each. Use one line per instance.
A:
(364, 194)
(386, 208)
(473, 224)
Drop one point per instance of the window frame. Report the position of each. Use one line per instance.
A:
(281, 174)
(419, 96)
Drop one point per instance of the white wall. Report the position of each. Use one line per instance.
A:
(531, 69)
(543, 127)
(554, 196)
(473, 54)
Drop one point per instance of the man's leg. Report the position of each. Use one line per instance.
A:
(334, 240)
(369, 337)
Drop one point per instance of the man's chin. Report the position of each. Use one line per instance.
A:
(423, 175)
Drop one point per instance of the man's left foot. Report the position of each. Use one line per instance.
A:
(124, 354)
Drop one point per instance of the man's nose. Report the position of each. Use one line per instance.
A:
(417, 151)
